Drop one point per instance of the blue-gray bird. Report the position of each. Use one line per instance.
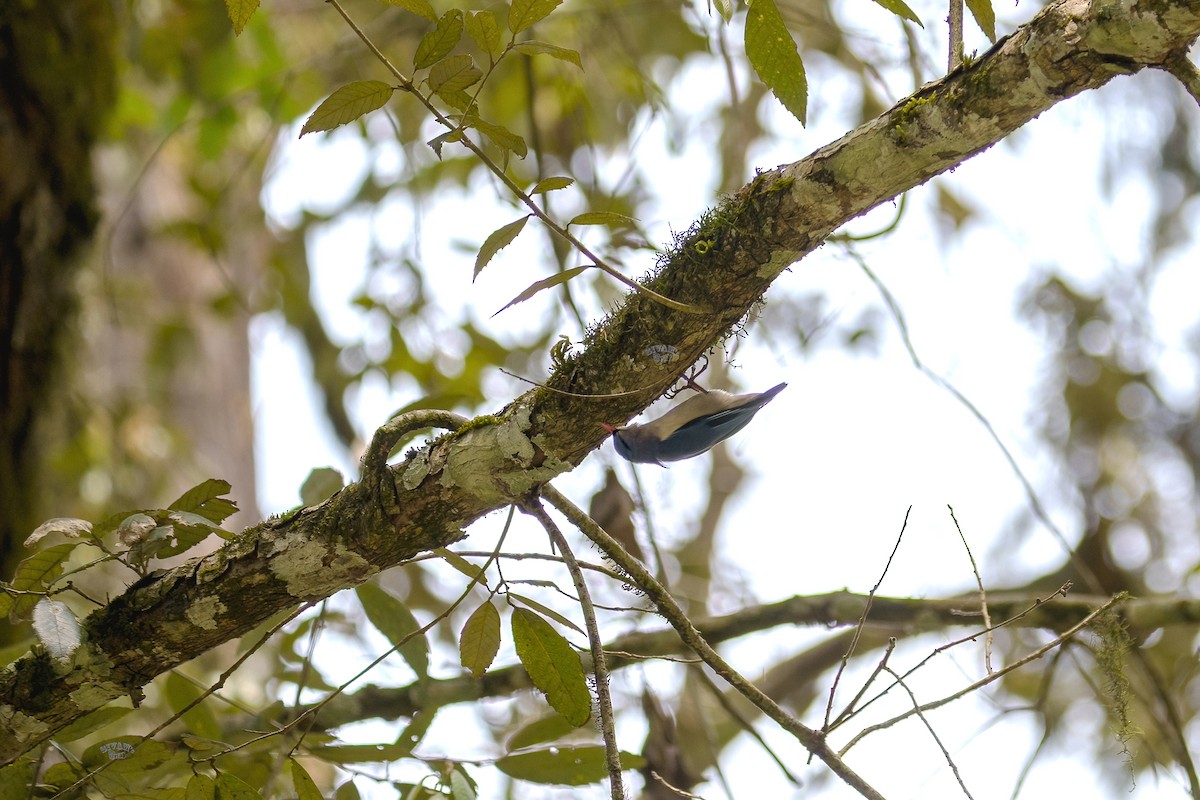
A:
(690, 428)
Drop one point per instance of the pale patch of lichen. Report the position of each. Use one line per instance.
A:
(313, 569)
(203, 613)
(22, 726)
(416, 471)
(495, 463)
(779, 261)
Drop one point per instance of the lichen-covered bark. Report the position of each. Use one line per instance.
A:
(723, 265)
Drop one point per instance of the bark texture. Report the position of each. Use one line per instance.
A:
(722, 265)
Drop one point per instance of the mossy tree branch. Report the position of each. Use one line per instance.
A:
(725, 263)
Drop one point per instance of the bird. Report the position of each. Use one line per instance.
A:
(690, 428)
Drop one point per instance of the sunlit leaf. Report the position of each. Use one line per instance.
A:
(347, 104)
(127, 755)
(545, 283)
(462, 785)
(347, 791)
(56, 628)
(302, 782)
(449, 136)
(985, 16)
(483, 28)
(569, 766)
(240, 12)
(206, 499)
(601, 218)
(479, 640)
(462, 565)
(360, 753)
(543, 609)
(395, 621)
(418, 7)
(438, 43)
(496, 241)
(534, 48)
(724, 8)
(773, 54)
(552, 665)
(551, 184)
(453, 74)
(901, 9)
(526, 13)
(501, 136)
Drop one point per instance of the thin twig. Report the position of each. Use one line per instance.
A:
(955, 58)
(979, 684)
(932, 732)
(862, 622)
(1188, 74)
(811, 739)
(502, 175)
(608, 730)
(943, 648)
(983, 603)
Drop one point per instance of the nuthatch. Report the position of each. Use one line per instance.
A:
(690, 428)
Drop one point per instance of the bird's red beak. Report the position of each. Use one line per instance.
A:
(609, 428)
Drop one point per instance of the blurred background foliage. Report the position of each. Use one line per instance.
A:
(154, 392)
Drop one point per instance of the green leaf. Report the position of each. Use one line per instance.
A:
(180, 692)
(231, 787)
(347, 104)
(985, 16)
(480, 639)
(725, 9)
(546, 610)
(206, 500)
(16, 780)
(552, 665)
(91, 723)
(462, 785)
(525, 14)
(240, 12)
(772, 53)
(34, 574)
(453, 74)
(551, 184)
(496, 241)
(320, 485)
(484, 29)
(535, 48)
(302, 782)
(901, 9)
(418, 7)
(438, 43)
(360, 753)
(570, 766)
(200, 787)
(501, 136)
(601, 218)
(462, 565)
(449, 136)
(347, 791)
(545, 283)
(397, 623)
(546, 729)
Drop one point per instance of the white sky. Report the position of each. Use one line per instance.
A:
(837, 457)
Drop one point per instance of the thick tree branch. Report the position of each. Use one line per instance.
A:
(724, 263)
